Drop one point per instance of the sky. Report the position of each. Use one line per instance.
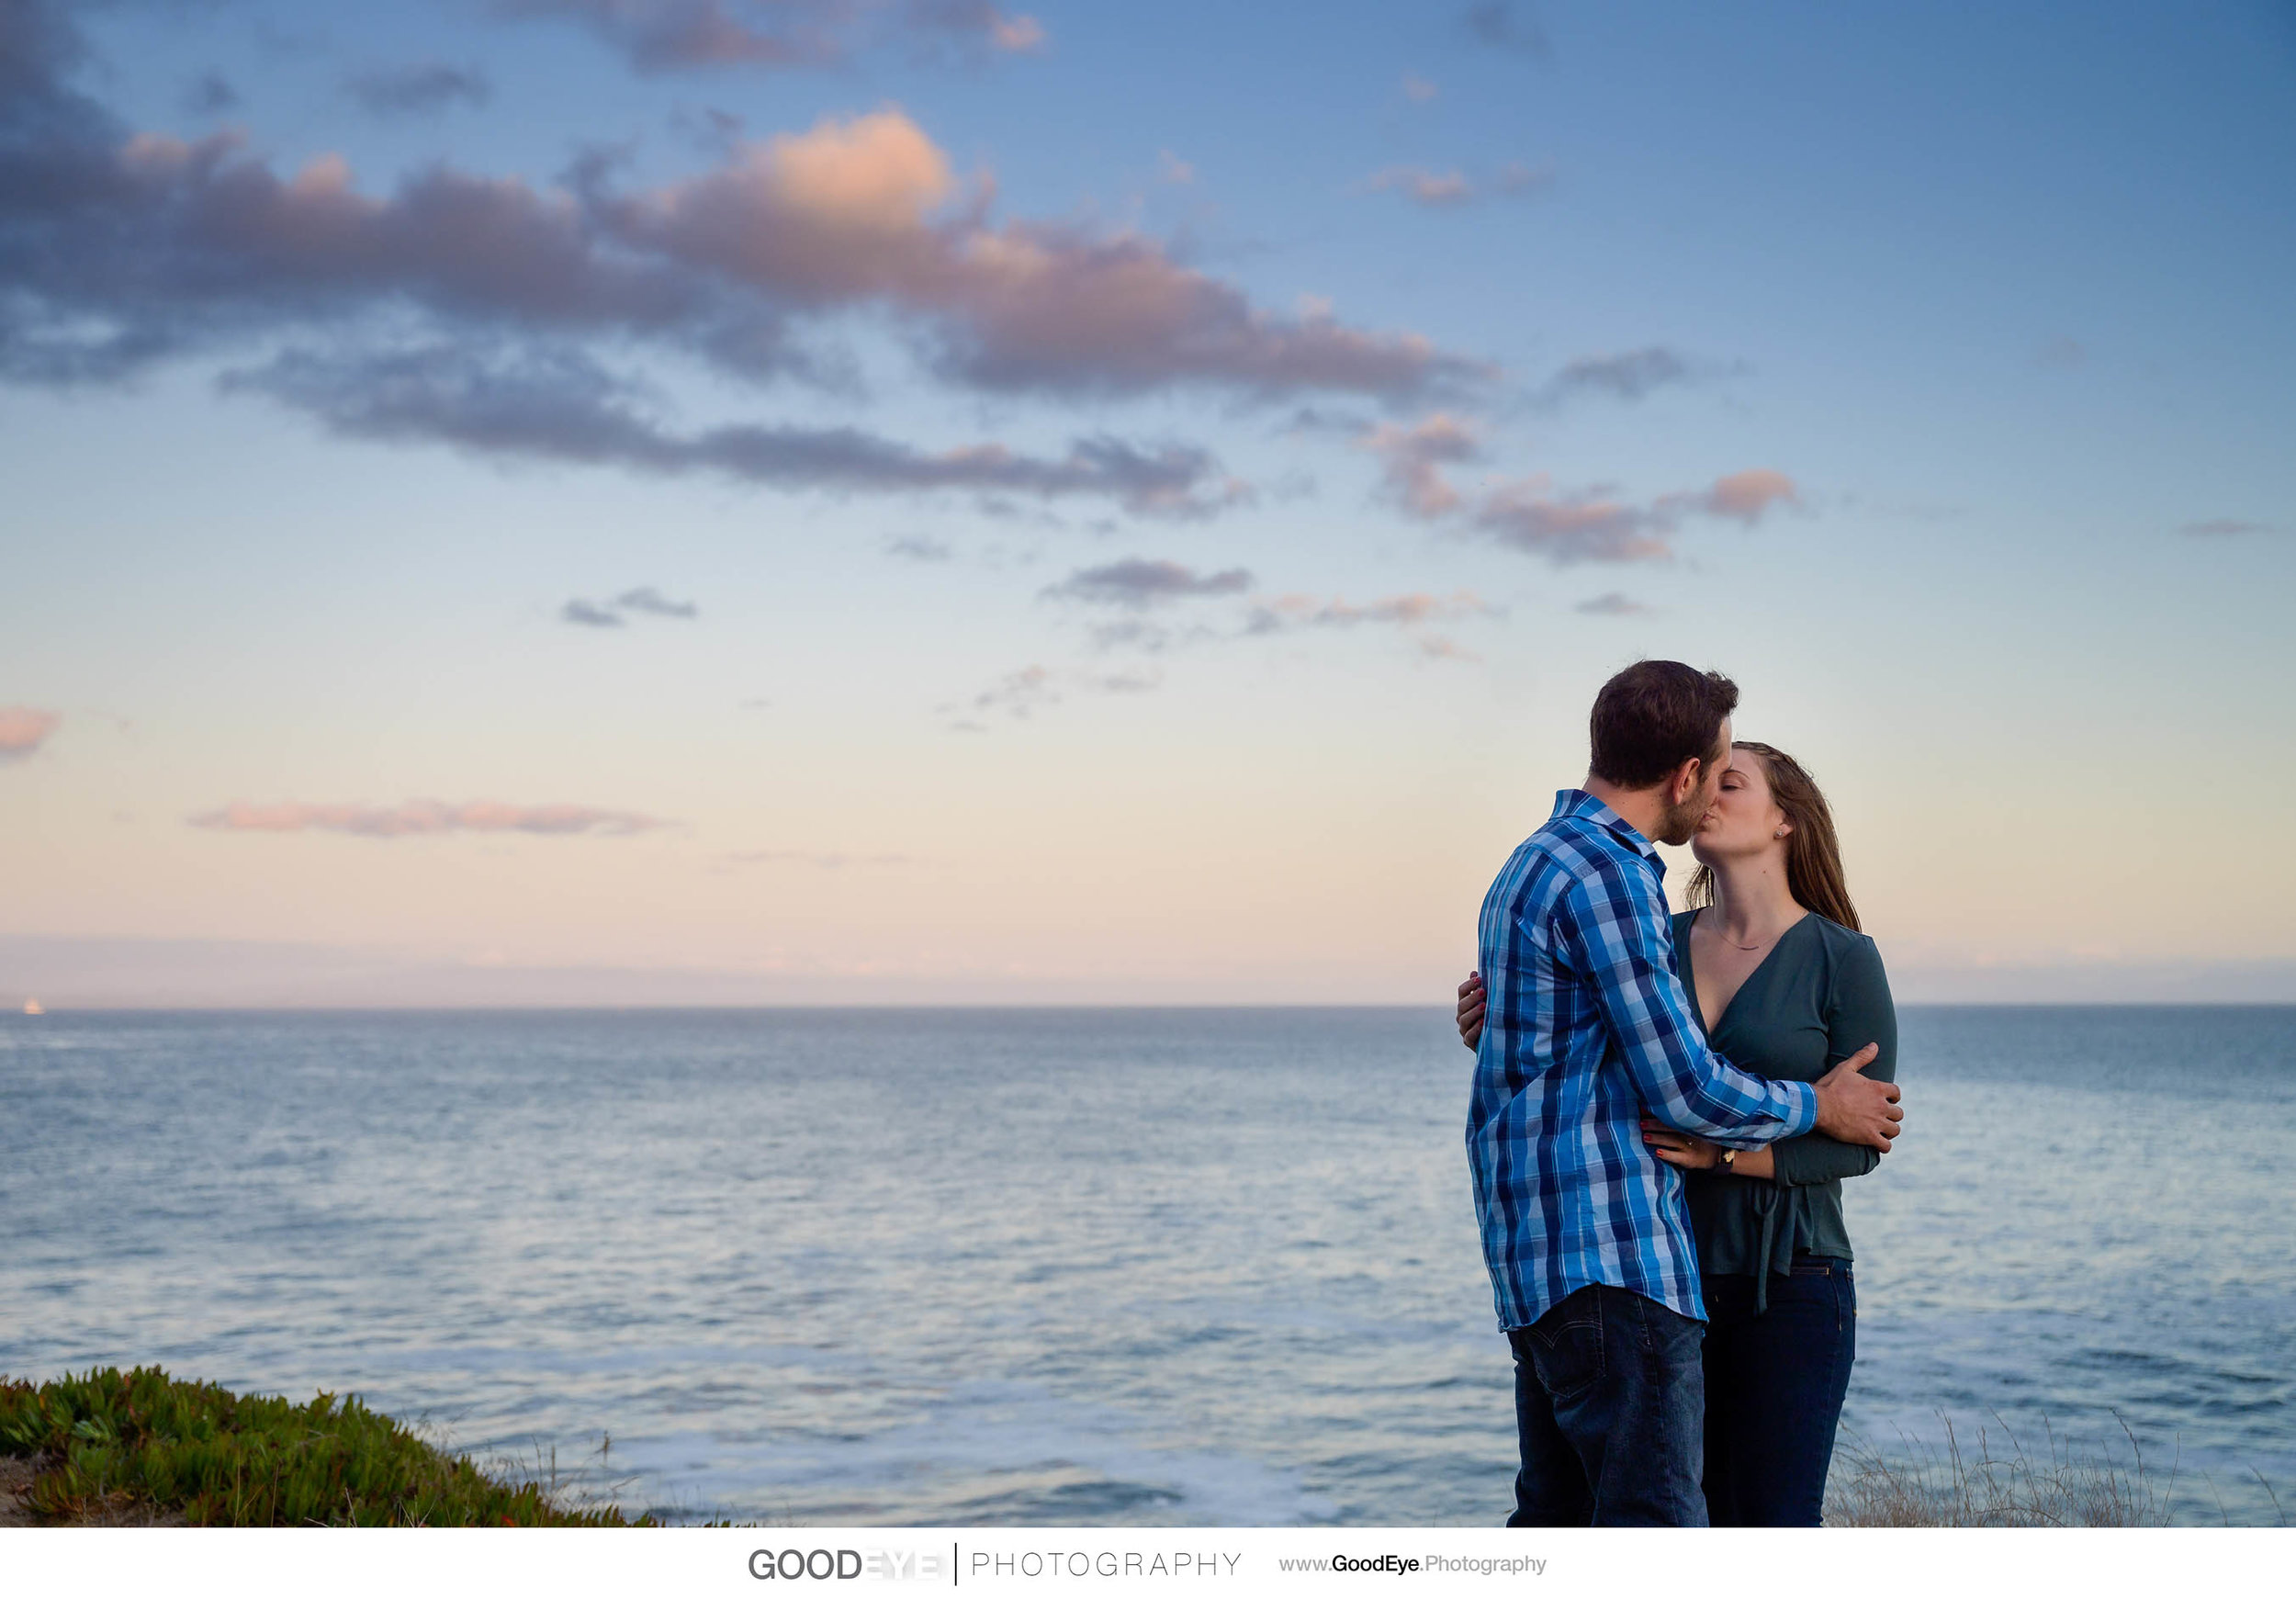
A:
(914, 501)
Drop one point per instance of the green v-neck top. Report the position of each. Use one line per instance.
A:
(1817, 998)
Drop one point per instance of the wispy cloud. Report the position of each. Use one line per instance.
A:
(1412, 614)
(416, 817)
(1289, 611)
(658, 36)
(664, 36)
(1744, 497)
(2224, 527)
(1413, 457)
(1422, 185)
(829, 860)
(646, 601)
(23, 730)
(1530, 514)
(978, 23)
(1442, 190)
(211, 94)
(1418, 90)
(651, 602)
(562, 407)
(1123, 682)
(417, 89)
(2060, 353)
(1523, 177)
(1507, 27)
(1611, 604)
(1140, 583)
(1020, 695)
(1632, 374)
(917, 547)
(584, 614)
(1135, 634)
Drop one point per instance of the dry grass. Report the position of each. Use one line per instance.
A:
(2000, 1483)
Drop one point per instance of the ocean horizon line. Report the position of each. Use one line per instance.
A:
(120, 974)
(1004, 1007)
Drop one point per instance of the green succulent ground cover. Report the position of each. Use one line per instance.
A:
(110, 1443)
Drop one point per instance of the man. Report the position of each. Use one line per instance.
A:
(1585, 1026)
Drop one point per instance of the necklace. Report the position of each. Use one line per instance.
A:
(1745, 949)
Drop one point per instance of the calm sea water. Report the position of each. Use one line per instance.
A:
(1078, 1266)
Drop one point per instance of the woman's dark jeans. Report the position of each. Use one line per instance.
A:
(1606, 1401)
(1774, 1386)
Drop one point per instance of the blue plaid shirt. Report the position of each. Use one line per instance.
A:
(1586, 1024)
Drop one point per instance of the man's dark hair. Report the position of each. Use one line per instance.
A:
(1653, 716)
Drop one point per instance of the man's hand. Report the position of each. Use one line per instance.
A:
(1472, 1010)
(1857, 1109)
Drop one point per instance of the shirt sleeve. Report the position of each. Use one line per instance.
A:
(1619, 934)
(1858, 1012)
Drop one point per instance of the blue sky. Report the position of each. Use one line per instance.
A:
(1247, 446)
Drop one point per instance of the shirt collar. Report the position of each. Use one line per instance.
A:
(1577, 802)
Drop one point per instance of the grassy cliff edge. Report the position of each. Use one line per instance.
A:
(144, 1448)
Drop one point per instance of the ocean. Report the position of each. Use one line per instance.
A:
(1081, 1267)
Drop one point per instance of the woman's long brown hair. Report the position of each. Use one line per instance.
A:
(1813, 854)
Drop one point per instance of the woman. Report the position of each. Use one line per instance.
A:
(1786, 986)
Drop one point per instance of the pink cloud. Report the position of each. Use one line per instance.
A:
(24, 730)
(1530, 514)
(1425, 188)
(1526, 515)
(838, 212)
(1399, 610)
(422, 817)
(1410, 612)
(862, 210)
(1015, 34)
(1745, 496)
(1413, 457)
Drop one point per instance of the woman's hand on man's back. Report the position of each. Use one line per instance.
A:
(1472, 1010)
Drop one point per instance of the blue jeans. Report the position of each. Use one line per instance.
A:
(1774, 1386)
(1608, 1396)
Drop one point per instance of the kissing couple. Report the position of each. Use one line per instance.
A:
(1664, 1108)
